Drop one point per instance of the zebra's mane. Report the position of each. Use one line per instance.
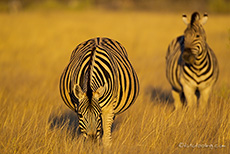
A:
(195, 17)
(90, 73)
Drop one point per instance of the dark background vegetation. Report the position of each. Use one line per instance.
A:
(217, 6)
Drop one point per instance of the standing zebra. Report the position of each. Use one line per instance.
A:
(191, 65)
(98, 83)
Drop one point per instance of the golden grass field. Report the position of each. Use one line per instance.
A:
(36, 46)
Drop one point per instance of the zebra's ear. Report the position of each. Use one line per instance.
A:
(185, 19)
(204, 19)
(78, 91)
(100, 91)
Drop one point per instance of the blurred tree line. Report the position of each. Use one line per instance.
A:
(153, 5)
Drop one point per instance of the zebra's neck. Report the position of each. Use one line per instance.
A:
(90, 72)
(201, 58)
(201, 64)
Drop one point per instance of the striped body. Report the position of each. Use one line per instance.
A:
(191, 65)
(98, 83)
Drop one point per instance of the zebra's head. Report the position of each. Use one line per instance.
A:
(194, 37)
(89, 111)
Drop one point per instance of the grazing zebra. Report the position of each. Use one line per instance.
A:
(191, 65)
(98, 83)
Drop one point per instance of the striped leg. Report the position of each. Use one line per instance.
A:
(107, 120)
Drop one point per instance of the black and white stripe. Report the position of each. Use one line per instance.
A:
(98, 83)
(191, 65)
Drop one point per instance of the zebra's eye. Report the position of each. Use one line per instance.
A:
(197, 35)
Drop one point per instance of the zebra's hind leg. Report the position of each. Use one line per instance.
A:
(177, 100)
(204, 97)
(107, 121)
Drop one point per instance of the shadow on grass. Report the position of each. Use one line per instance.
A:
(67, 120)
(160, 95)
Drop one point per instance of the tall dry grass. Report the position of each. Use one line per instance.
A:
(36, 46)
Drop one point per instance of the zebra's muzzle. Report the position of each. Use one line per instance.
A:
(92, 137)
(187, 56)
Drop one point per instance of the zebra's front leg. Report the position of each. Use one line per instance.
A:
(190, 96)
(177, 100)
(204, 97)
(107, 121)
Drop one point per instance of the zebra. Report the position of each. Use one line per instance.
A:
(191, 65)
(98, 83)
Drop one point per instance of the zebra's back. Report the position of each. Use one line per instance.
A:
(103, 60)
